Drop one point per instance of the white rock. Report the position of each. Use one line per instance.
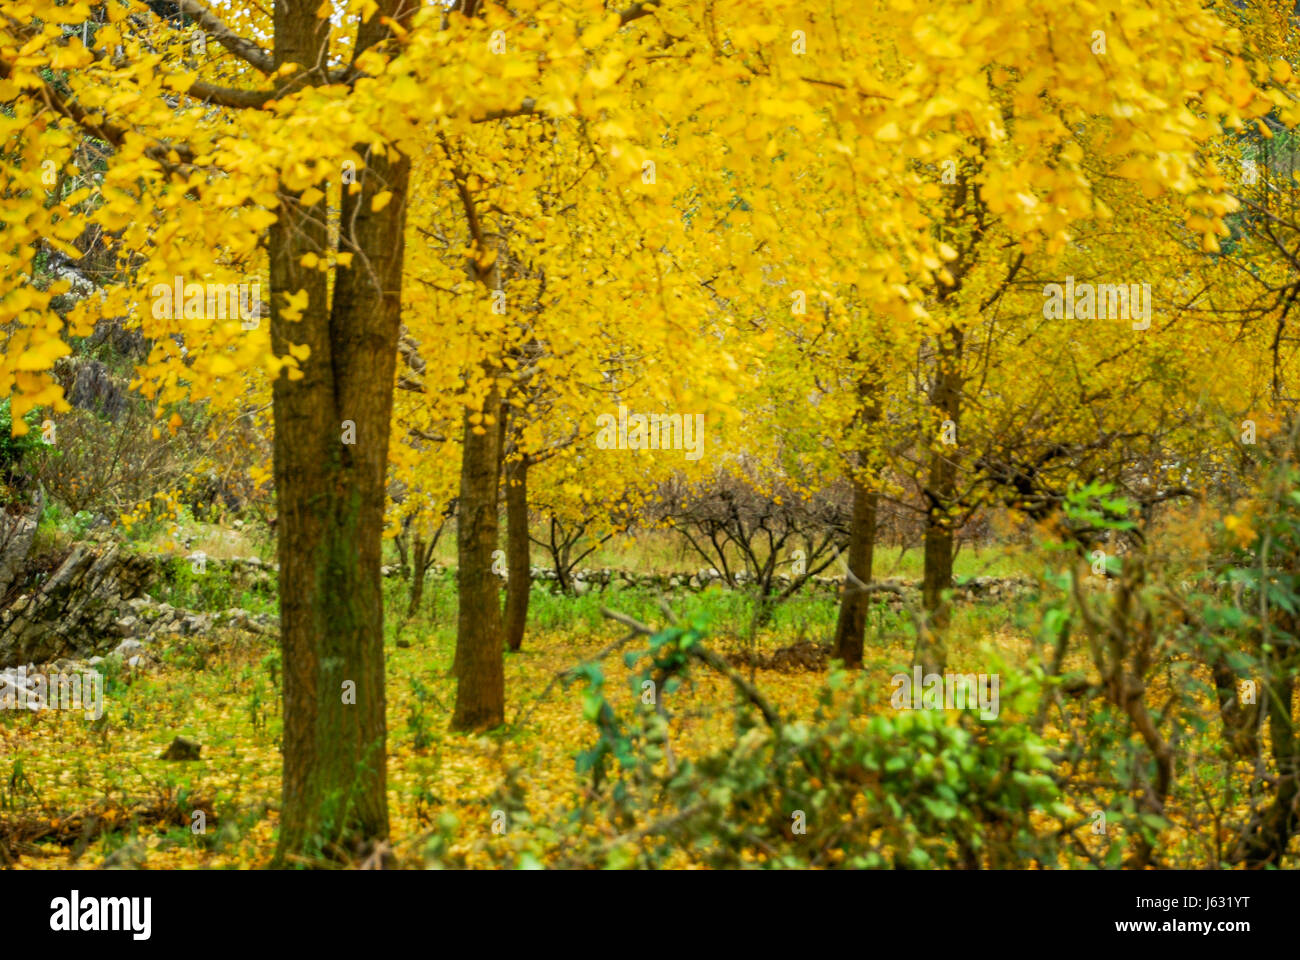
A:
(128, 648)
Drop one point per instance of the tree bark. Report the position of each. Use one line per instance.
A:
(518, 562)
(479, 666)
(330, 493)
(402, 542)
(419, 564)
(1267, 837)
(941, 487)
(932, 651)
(1240, 721)
(851, 627)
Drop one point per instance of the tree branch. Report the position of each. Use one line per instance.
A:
(212, 25)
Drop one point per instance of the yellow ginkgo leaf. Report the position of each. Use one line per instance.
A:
(294, 305)
(43, 355)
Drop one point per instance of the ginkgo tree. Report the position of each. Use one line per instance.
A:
(686, 170)
(534, 320)
(976, 146)
(282, 145)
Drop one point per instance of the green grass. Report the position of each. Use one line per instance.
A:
(660, 552)
(215, 589)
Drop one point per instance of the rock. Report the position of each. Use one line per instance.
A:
(127, 626)
(128, 648)
(181, 749)
(75, 608)
(127, 343)
(17, 684)
(88, 385)
(17, 534)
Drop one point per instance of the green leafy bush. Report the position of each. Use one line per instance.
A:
(857, 786)
(14, 449)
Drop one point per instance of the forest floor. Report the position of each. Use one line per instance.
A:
(74, 792)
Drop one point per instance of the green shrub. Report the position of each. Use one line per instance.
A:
(14, 449)
(856, 786)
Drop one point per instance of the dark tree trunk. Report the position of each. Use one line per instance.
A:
(1240, 721)
(420, 554)
(518, 562)
(1265, 842)
(330, 494)
(402, 542)
(941, 488)
(937, 578)
(851, 627)
(479, 667)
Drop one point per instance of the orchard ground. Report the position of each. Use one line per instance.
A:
(76, 792)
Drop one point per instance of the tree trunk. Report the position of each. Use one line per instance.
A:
(851, 627)
(560, 560)
(941, 488)
(419, 564)
(331, 493)
(1240, 721)
(1266, 839)
(519, 579)
(403, 543)
(932, 651)
(479, 667)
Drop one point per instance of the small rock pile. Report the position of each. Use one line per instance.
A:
(148, 622)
